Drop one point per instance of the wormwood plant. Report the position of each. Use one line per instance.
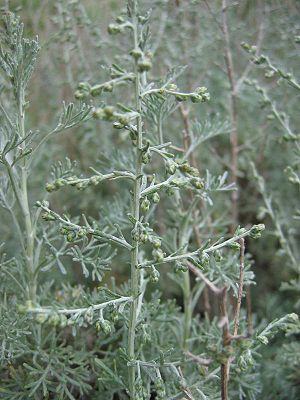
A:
(122, 340)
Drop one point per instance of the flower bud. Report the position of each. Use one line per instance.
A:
(234, 246)
(96, 90)
(107, 87)
(197, 183)
(155, 198)
(50, 187)
(158, 255)
(145, 205)
(256, 231)
(113, 29)
(136, 53)
(171, 167)
(180, 267)
(154, 274)
(155, 241)
(144, 64)
(104, 326)
(47, 216)
(172, 87)
(146, 158)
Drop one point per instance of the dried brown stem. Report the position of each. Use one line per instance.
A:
(196, 271)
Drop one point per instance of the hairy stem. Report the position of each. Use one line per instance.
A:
(29, 248)
(135, 273)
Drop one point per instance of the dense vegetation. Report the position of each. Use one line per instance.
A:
(149, 167)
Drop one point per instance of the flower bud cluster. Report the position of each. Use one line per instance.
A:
(119, 26)
(180, 267)
(154, 274)
(256, 231)
(108, 113)
(80, 184)
(200, 94)
(146, 201)
(103, 325)
(72, 234)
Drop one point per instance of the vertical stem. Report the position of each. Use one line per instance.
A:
(233, 113)
(135, 275)
(186, 275)
(29, 250)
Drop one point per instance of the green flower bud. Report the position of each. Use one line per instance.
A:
(188, 169)
(146, 158)
(50, 187)
(155, 198)
(145, 205)
(196, 98)
(123, 120)
(204, 260)
(113, 29)
(270, 74)
(180, 97)
(218, 256)
(144, 64)
(54, 319)
(144, 237)
(47, 216)
(98, 113)
(79, 95)
(84, 87)
(104, 326)
(136, 53)
(256, 231)
(96, 90)
(197, 183)
(63, 321)
(107, 87)
(172, 87)
(41, 318)
(89, 315)
(158, 255)
(245, 46)
(21, 308)
(263, 339)
(171, 167)
(155, 241)
(180, 267)
(70, 237)
(234, 246)
(170, 191)
(120, 19)
(154, 274)
(59, 183)
(108, 112)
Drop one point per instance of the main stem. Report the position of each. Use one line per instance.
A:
(29, 249)
(135, 274)
(233, 115)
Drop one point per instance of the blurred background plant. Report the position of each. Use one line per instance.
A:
(246, 53)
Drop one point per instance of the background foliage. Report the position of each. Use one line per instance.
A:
(248, 61)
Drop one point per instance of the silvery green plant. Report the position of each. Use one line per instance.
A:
(124, 340)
